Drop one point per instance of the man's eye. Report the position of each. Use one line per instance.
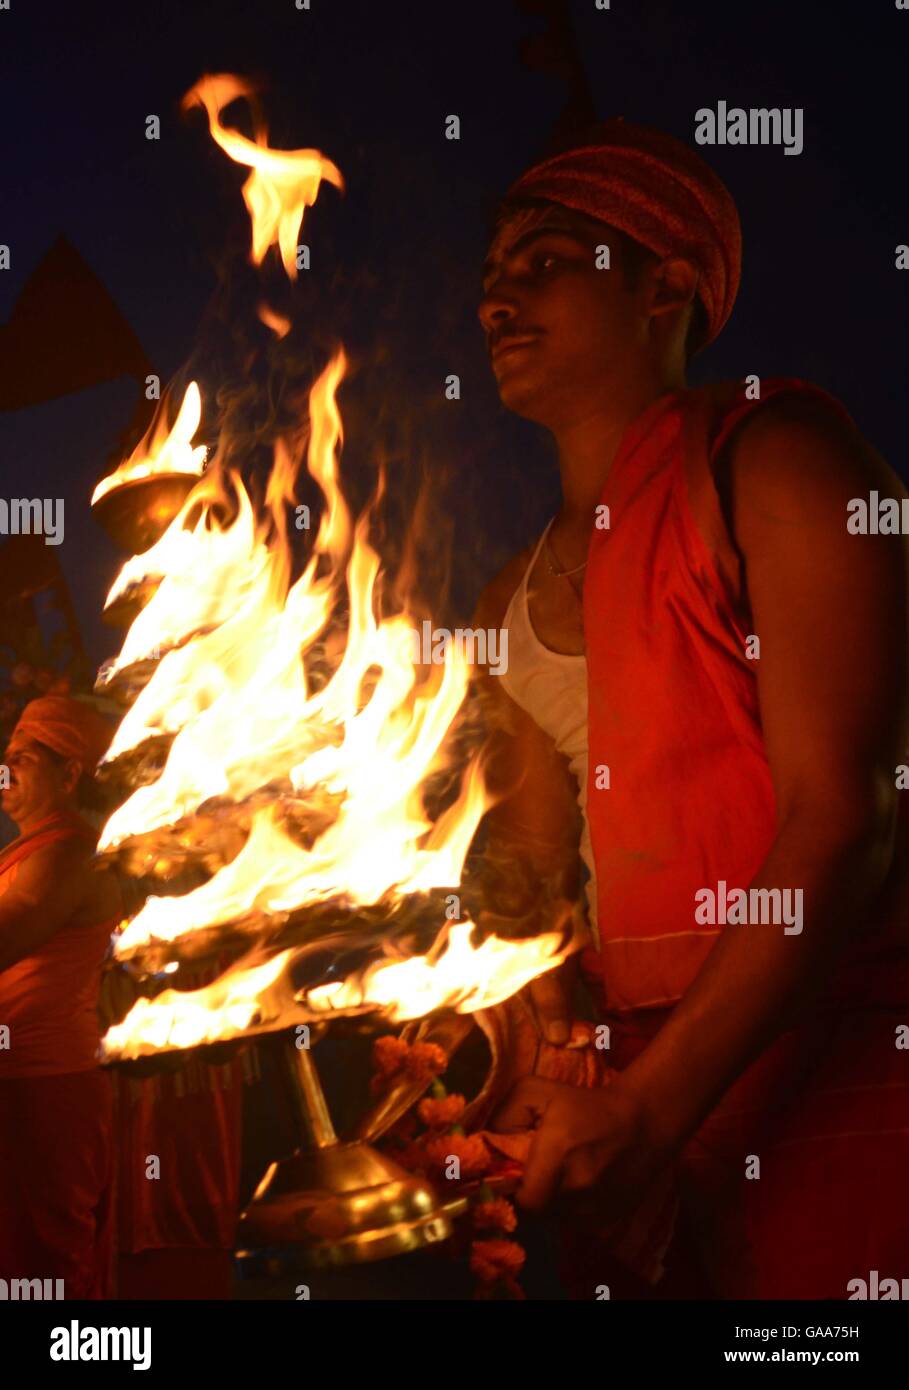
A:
(545, 260)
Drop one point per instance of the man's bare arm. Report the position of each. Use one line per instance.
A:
(536, 816)
(532, 851)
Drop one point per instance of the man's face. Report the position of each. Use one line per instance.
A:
(38, 784)
(557, 326)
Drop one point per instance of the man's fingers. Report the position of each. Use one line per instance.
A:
(527, 1106)
(541, 1172)
(581, 1168)
(523, 1105)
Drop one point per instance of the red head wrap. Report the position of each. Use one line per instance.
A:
(73, 728)
(656, 190)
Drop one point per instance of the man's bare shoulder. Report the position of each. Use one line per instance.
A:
(798, 463)
(495, 598)
(802, 446)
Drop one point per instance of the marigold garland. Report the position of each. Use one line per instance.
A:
(495, 1214)
(494, 1261)
(441, 1113)
(470, 1150)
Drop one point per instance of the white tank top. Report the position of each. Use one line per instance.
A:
(552, 688)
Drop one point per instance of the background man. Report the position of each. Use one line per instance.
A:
(57, 913)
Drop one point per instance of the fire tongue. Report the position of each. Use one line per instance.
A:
(455, 974)
(282, 184)
(162, 450)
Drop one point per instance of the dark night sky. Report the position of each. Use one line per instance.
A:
(370, 84)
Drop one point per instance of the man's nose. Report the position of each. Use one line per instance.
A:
(496, 307)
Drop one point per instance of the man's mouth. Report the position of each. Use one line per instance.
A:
(504, 346)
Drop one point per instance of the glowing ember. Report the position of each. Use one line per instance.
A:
(278, 324)
(163, 449)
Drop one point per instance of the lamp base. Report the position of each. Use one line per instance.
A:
(342, 1204)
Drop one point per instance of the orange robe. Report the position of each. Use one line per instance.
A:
(191, 1120)
(674, 715)
(56, 1162)
(176, 1218)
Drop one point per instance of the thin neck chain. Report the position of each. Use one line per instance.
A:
(551, 555)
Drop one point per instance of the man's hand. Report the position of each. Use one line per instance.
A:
(596, 1142)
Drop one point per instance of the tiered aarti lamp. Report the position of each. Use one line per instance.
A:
(294, 797)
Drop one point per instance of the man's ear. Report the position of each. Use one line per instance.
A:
(71, 774)
(673, 284)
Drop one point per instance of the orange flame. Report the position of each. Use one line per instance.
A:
(283, 183)
(278, 324)
(163, 449)
(234, 662)
(453, 974)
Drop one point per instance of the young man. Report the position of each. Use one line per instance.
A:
(722, 665)
(57, 913)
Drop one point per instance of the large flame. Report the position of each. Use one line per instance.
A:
(234, 648)
(283, 183)
(291, 716)
(234, 691)
(163, 449)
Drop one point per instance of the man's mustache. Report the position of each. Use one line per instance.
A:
(512, 331)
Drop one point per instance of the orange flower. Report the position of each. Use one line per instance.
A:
(496, 1214)
(469, 1149)
(389, 1055)
(494, 1260)
(425, 1061)
(439, 1114)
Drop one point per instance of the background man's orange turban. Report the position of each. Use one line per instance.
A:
(656, 190)
(70, 727)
